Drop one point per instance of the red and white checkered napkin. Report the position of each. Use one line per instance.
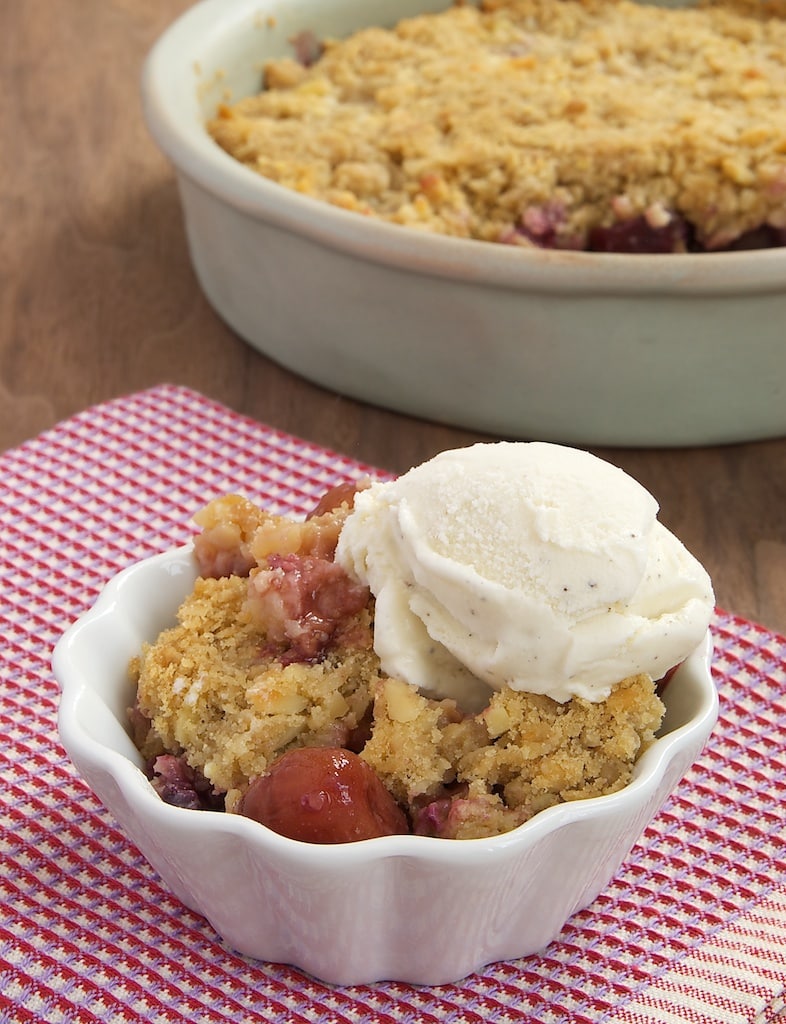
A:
(692, 929)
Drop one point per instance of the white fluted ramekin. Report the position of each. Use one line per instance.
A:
(407, 908)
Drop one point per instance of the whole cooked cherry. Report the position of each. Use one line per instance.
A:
(323, 795)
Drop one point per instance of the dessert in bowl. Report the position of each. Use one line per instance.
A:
(527, 337)
(524, 850)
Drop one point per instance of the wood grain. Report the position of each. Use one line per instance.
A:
(98, 298)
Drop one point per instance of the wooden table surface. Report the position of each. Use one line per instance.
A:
(98, 299)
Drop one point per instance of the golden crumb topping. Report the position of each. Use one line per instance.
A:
(536, 120)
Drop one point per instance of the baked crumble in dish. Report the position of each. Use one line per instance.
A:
(267, 698)
(600, 125)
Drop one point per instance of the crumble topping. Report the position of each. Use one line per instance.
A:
(546, 122)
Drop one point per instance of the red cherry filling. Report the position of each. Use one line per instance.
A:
(323, 795)
(663, 682)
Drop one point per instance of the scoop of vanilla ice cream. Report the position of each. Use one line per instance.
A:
(531, 565)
